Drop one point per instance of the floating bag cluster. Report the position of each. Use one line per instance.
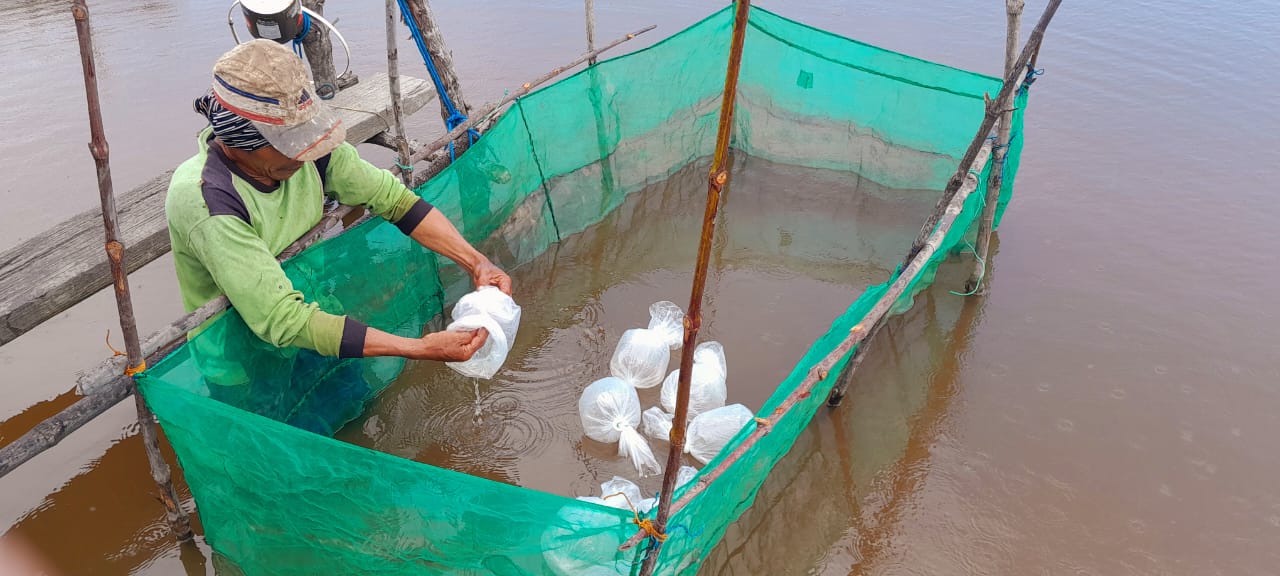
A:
(610, 407)
(491, 309)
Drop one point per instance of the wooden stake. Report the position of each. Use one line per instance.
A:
(178, 521)
(977, 284)
(1011, 83)
(319, 50)
(393, 80)
(591, 30)
(421, 16)
(717, 178)
(846, 375)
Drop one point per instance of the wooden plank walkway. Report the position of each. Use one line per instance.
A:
(53, 271)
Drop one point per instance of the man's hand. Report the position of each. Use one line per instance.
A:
(451, 345)
(486, 274)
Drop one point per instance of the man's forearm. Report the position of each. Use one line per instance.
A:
(449, 346)
(379, 343)
(438, 234)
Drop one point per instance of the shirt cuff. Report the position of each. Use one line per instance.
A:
(353, 334)
(414, 216)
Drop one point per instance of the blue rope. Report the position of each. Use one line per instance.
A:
(1032, 74)
(996, 147)
(456, 117)
(306, 29)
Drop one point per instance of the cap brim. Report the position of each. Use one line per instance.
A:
(309, 140)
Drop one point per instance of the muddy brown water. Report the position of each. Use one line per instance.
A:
(1109, 409)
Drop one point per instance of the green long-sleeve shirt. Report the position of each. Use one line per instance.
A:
(227, 229)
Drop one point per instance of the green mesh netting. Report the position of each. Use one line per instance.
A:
(278, 495)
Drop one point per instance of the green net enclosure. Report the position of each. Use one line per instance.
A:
(279, 495)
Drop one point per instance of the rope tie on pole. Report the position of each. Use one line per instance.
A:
(456, 117)
(306, 29)
(129, 371)
(645, 524)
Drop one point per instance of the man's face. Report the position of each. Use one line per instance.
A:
(271, 163)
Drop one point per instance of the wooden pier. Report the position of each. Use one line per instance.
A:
(58, 268)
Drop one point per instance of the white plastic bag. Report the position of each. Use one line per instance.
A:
(667, 320)
(611, 494)
(707, 389)
(640, 358)
(491, 309)
(710, 431)
(642, 354)
(610, 412)
(573, 539)
(684, 475)
(656, 424)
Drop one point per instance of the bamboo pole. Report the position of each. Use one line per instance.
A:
(591, 30)
(857, 335)
(177, 517)
(1011, 83)
(976, 284)
(393, 80)
(104, 386)
(717, 178)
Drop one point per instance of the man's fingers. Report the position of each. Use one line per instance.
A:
(478, 339)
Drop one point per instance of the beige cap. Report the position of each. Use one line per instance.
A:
(267, 84)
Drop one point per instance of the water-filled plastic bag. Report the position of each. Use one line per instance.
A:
(491, 309)
(707, 390)
(610, 412)
(710, 431)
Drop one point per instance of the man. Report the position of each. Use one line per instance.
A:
(270, 155)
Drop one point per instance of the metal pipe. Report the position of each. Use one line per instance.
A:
(178, 521)
(717, 178)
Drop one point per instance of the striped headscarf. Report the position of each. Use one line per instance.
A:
(234, 131)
